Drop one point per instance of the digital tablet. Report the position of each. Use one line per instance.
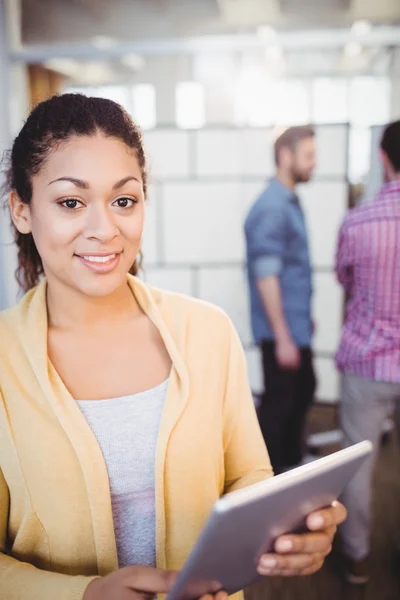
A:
(244, 524)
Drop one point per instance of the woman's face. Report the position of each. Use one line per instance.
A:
(87, 214)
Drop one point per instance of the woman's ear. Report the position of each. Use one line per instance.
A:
(20, 213)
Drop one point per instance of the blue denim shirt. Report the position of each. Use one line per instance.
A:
(277, 244)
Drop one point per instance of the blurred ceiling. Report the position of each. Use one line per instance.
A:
(47, 21)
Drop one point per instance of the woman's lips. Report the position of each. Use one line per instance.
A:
(100, 263)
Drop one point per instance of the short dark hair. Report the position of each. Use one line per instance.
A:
(390, 144)
(291, 137)
(51, 123)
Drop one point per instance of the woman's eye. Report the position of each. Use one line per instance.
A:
(125, 202)
(71, 203)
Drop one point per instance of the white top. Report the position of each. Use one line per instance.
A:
(126, 430)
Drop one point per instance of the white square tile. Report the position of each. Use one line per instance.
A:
(172, 280)
(332, 144)
(258, 155)
(150, 232)
(218, 153)
(325, 206)
(327, 312)
(227, 288)
(203, 222)
(328, 380)
(168, 153)
(254, 368)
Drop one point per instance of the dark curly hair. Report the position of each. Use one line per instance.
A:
(50, 123)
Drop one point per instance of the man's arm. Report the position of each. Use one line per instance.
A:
(287, 353)
(265, 235)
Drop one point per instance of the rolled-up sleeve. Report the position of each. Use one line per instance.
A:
(265, 237)
(264, 266)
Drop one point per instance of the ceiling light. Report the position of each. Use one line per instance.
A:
(103, 42)
(361, 28)
(265, 32)
(352, 49)
(133, 61)
(64, 66)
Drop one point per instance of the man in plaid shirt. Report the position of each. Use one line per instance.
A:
(368, 267)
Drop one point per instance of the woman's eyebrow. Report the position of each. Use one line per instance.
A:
(78, 182)
(85, 185)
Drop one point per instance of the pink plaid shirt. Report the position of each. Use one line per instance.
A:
(368, 267)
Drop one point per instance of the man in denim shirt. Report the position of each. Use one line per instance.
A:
(279, 273)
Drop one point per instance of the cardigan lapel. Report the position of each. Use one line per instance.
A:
(34, 334)
(177, 396)
(76, 428)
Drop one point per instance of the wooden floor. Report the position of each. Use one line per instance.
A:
(385, 575)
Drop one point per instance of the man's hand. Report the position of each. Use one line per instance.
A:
(287, 354)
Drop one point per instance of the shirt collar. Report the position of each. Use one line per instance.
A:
(389, 189)
(289, 194)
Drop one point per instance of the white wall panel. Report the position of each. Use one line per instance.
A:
(227, 287)
(327, 312)
(254, 368)
(203, 222)
(325, 205)
(218, 153)
(258, 159)
(149, 241)
(168, 153)
(173, 280)
(328, 380)
(250, 191)
(331, 150)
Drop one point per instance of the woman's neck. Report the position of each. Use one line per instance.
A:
(68, 308)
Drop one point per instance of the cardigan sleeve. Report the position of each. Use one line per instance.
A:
(246, 457)
(23, 581)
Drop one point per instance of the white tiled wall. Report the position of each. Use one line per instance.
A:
(203, 184)
(168, 153)
(327, 380)
(325, 205)
(254, 370)
(150, 234)
(203, 222)
(174, 280)
(327, 312)
(227, 287)
(257, 152)
(331, 150)
(218, 153)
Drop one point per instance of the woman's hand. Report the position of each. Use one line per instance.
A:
(304, 554)
(136, 583)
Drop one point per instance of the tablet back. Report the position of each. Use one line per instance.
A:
(244, 524)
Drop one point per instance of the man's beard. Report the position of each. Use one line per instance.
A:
(300, 177)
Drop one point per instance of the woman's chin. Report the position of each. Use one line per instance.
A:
(100, 286)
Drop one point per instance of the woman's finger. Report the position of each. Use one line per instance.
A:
(327, 517)
(306, 543)
(296, 572)
(275, 564)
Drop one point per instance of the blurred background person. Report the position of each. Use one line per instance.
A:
(279, 273)
(368, 267)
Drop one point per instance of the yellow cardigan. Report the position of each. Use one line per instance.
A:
(56, 526)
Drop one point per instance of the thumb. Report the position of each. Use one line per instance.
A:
(148, 579)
